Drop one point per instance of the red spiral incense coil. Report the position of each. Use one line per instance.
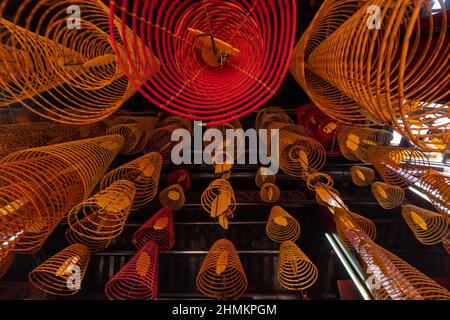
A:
(219, 59)
(138, 279)
(158, 229)
(180, 177)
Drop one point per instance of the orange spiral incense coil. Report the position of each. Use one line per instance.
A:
(271, 114)
(101, 218)
(355, 142)
(300, 156)
(388, 196)
(319, 179)
(429, 227)
(362, 176)
(5, 263)
(264, 175)
(437, 188)
(281, 226)
(63, 273)
(144, 172)
(402, 167)
(390, 72)
(160, 140)
(269, 193)
(78, 64)
(365, 224)
(221, 275)
(138, 279)
(172, 197)
(446, 244)
(158, 229)
(328, 197)
(219, 201)
(295, 270)
(224, 154)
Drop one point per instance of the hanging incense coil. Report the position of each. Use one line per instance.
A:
(429, 227)
(221, 275)
(365, 224)
(63, 273)
(300, 156)
(101, 218)
(271, 114)
(5, 264)
(158, 229)
(40, 185)
(229, 149)
(264, 175)
(281, 226)
(218, 77)
(219, 201)
(172, 197)
(144, 172)
(437, 188)
(446, 244)
(132, 134)
(402, 167)
(388, 72)
(354, 142)
(328, 197)
(319, 179)
(66, 73)
(388, 196)
(138, 279)
(269, 193)
(362, 176)
(295, 270)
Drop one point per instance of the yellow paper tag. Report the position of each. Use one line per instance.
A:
(281, 221)
(161, 223)
(143, 264)
(222, 263)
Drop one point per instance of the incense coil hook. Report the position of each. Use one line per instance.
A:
(388, 196)
(295, 270)
(428, 227)
(101, 218)
(138, 279)
(158, 229)
(362, 176)
(402, 167)
(63, 273)
(221, 275)
(172, 197)
(144, 172)
(281, 226)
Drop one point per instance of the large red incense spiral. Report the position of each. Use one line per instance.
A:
(219, 59)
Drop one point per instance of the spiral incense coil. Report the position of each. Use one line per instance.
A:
(144, 172)
(319, 179)
(328, 197)
(362, 176)
(180, 177)
(389, 72)
(429, 227)
(160, 140)
(354, 142)
(138, 279)
(281, 226)
(388, 196)
(264, 175)
(221, 275)
(365, 224)
(269, 193)
(219, 201)
(63, 273)
(40, 185)
(398, 279)
(132, 134)
(295, 270)
(172, 197)
(402, 167)
(271, 114)
(158, 229)
(320, 127)
(50, 59)
(5, 264)
(101, 218)
(210, 52)
(300, 156)
(437, 188)
(223, 153)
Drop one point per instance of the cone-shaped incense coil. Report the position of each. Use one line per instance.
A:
(281, 226)
(388, 197)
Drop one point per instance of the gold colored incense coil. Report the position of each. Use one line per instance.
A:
(437, 188)
(269, 193)
(221, 275)
(281, 226)
(295, 270)
(144, 172)
(160, 140)
(271, 114)
(218, 199)
(319, 179)
(101, 218)
(362, 176)
(365, 224)
(63, 273)
(401, 167)
(429, 227)
(172, 197)
(388, 196)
